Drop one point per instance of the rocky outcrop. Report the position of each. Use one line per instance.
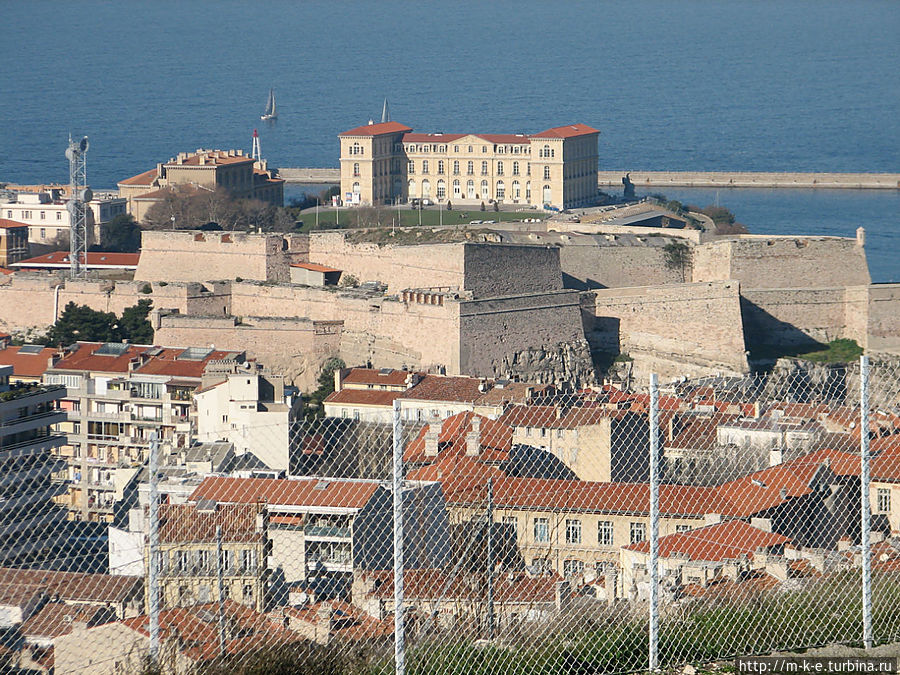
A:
(565, 362)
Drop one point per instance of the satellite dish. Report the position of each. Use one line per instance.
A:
(86, 195)
(83, 145)
(70, 153)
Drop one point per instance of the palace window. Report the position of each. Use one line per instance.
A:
(441, 189)
(424, 166)
(356, 168)
(456, 191)
(515, 168)
(605, 533)
(440, 166)
(541, 529)
(484, 190)
(455, 167)
(470, 168)
(356, 188)
(411, 188)
(573, 531)
(484, 168)
(412, 167)
(884, 500)
(470, 189)
(517, 193)
(501, 189)
(546, 173)
(499, 168)
(455, 148)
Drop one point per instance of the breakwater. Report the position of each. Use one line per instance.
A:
(752, 179)
(698, 179)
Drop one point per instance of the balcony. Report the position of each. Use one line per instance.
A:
(322, 531)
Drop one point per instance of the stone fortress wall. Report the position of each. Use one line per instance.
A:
(492, 309)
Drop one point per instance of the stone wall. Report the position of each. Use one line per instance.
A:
(493, 270)
(883, 327)
(192, 255)
(591, 266)
(798, 316)
(295, 347)
(537, 336)
(690, 329)
(783, 262)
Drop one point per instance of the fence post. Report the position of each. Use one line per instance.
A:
(153, 562)
(654, 523)
(865, 505)
(399, 614)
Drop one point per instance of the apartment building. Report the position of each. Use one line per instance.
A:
(29, 519)
(13, 242)
(386, 162)
(118, 395)
(190, 567)
(44, 211)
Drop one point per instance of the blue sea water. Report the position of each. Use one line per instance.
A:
(793, 85)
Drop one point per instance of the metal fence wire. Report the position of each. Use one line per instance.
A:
(469, 527)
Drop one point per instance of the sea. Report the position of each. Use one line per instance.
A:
(756, 85)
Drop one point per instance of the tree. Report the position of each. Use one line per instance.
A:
(121, 235)
(325, 381)
(80, 322)
(134, 324)
(678, 256)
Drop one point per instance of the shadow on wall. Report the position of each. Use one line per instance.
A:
(768, 338)
(576, 284)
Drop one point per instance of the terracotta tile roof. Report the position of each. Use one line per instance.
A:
(590, 497)
(4, 270)
(885, 466)
(428, 584)
(16, 593)
(6, 224)
(555, 417)
(457, 471)
(373, 397)
(567, 131)
(723, 541)
(348, 622)
(495, 439)
(373, 376)
(310, 492)
(145, 178)
(166, 362)
(376, 129)
(26, 365)
(96, 259)
(180, 523)
(211, 158)
(76, 586)
(432, 138)
(313, 267)
(758, 581)
(693, 432)
(55, 619)
(444, 388)
(514, 392)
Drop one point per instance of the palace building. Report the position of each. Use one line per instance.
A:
(386, 162)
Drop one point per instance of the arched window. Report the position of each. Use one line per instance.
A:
(441, 166)
(426, 188)
(516, 192)
(528, 191)
(515, 168)
(356, 149)
(456, 191)
(501, 190)
(356, 188)
(355, 168)
(455, 167)
(470, 189)
(412, 189)
(441, 189)
(499, 168)
(546, 173)
(424, 166)
(485, 194)
(548, 194)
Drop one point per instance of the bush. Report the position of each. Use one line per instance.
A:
(146, 288)
(482, 206)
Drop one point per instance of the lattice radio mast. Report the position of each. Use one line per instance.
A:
(80, 194)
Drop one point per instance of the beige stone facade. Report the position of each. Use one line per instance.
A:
(384, 163)
(243, 176)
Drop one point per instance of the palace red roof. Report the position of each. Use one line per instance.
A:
(567, 131)
(310, 492)
(432, 138)
(714, 543)
(377, 129)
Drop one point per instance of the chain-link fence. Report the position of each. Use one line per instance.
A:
(521, 528)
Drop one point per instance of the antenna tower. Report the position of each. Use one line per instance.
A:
(255, 152)
(79, 195)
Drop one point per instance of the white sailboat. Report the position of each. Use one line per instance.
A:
(270, 113)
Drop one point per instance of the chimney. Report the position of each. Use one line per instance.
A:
(529, 394)
(782, 493)
(844, 544)
(338, 379)
(431, 440)
(611, 581)
(876, 536)
(762, 523)
(712, 518)
(562, 596)
(473, 438)
(778, 568)
(323, 623)
(776, 456)
(670, 428)
(757, 410)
